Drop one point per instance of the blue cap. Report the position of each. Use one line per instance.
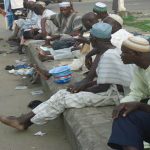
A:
(101, 30)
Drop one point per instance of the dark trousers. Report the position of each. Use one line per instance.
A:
(130, 131)
(115, 6)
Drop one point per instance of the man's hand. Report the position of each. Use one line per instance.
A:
(77, 87)
(124, 109)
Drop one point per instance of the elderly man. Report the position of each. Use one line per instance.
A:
(88, 20)
(66, 22)
(116, 22)
(94, 94)
(132, 118)
(100, 9)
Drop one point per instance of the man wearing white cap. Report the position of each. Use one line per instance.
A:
(66, 22)
(100, 9)
(116, 25)
(132, 118)
(94, 94)
(118, 34)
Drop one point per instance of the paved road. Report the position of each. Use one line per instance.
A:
(14, 102)
(131, 5)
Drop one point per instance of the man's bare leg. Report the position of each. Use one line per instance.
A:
(20, 123)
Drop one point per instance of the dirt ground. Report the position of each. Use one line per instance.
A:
(14, 102)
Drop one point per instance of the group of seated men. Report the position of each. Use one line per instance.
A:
(121, 60)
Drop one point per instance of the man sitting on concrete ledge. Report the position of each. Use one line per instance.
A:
(33, 32)
(94, 94)
(65, 24)
(88, 20)
(132, 118)
(116, 22)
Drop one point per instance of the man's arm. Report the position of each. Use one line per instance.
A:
(43, 23)
(80, 86)
(97, 88)
(88, 58)
(125, 108)
(139, 89)
(144, 107)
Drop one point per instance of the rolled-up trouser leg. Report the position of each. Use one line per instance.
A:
(63, 99)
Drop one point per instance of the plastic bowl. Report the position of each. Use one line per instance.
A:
(60, 71)
(62, 80)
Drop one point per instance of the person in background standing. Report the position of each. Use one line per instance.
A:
(9, 14)
(115, 6)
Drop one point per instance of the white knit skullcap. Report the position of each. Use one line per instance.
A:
(31, 0)
(64, 4)
(137, 44)
(101, 5)
(41, 3)
(116, 18)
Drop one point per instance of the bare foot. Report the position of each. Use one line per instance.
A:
(12, 122)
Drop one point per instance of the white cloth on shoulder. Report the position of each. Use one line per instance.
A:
(118, 37)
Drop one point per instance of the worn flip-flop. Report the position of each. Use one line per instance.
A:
(34, 104)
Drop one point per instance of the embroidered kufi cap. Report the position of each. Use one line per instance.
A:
(64, 4)
(138, 44)
(116, 18)
(101, 30)
(99, 7)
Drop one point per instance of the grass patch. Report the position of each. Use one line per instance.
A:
(144, 25)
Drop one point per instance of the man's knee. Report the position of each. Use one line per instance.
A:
(136, 118)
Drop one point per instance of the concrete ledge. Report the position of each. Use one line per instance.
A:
(87, 128)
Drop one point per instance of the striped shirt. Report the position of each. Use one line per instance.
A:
(68, 24)
(112, 70)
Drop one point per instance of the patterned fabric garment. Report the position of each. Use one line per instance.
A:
(63, 99)
(65, 25)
